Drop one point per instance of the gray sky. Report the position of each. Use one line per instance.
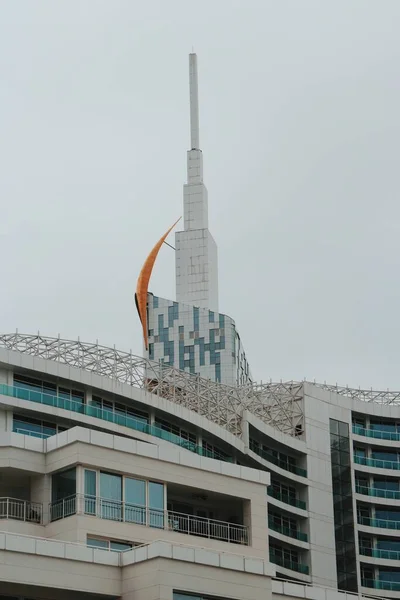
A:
(300, 130)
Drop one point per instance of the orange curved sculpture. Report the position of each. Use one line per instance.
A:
(142, 285)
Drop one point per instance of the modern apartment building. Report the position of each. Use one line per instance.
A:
(123, 478)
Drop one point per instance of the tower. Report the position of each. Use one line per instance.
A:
(190, 333)
(196, 262)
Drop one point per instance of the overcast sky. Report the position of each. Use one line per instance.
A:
(300, 130)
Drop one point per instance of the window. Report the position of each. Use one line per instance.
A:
(111, 496)
(113, 545)
(125, 411)
(382, 455)
(156, 504)
(90, 492)
(214, 451)
(176, 430)
(63, 494)
(135, 500)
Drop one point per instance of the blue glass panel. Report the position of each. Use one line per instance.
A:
(170, 316)
(211, 316)
(218, 372)
(90, 492)
(196, 318)
(151, 351)
(135, 500)
(160, 323)
(111, 496)
(222, 321)
(156, 504)
(155, 302)
(176, 311)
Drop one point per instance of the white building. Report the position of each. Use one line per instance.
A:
(121, 478)
(191, 334)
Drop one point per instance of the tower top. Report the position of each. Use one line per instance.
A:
(194, 103)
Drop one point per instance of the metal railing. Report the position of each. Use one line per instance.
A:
(277, 559)
(288, 531)
(379, 553)
(382, 523)
(141, 515)
(35, 434)
(377, 462)
(381, 585)
(378, 434)
(284, 497)
(105, 415)
(378, 492)
(21, 510)
(279, 462)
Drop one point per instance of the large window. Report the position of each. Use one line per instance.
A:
(47, 388)
(35, 427)
(120, 409)
(176, 430)
(63, 494)
(121, 498)
(156, 504)
(111, 496)
(135, 500)
(114, 545)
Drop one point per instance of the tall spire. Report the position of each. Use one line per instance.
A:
(194, 103)
(196, 251)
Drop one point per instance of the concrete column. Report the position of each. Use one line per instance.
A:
(3, 420)
(41, 492)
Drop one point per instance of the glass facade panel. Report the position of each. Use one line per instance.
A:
(135, 501)
(63, 494)
(111, 496)
(95, 543)
(90, 492)
(343, 505)
(156, 504)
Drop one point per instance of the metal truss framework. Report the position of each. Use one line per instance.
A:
(280, 405)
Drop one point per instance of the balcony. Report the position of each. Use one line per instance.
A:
(288, 531)
(377, 553)
(394, 586)
(140, 515)
(376, 462)
(378, 493)
(104, 415)
(277, 559)
(377, 434)
(369, 522)
(279, 462)
(21, 510)
(284, 497)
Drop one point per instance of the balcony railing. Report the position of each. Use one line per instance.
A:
(279, 462)
(394, 586)
(141, 515)
(378, 553)
(383, 523)
(377, 492)
(288, 531)
(377, 434)
(377, 463)
(21, 510)
(106, 415)
(277, 559)
(284, 497)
